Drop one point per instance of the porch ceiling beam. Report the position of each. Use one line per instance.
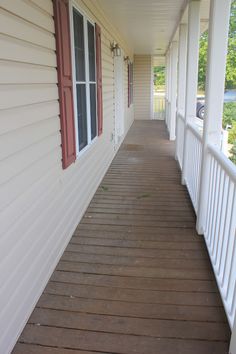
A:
(192, 70)
(214, 96)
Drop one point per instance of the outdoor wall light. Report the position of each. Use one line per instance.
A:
(127, 59)
(115, 49)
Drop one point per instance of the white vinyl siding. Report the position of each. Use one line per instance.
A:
(41, 204)
(142, 86)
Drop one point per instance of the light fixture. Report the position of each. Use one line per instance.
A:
(127, 59)
(115, 49)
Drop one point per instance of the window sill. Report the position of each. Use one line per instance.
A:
(86, 148)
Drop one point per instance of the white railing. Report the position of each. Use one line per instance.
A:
(159, 106)
(167, 113)
(220, 218)
(193, 162)
(180, 138)
(220, 234)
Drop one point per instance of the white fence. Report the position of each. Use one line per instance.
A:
(220, 225)
(159, 106)
(179, 138)
(193, 162)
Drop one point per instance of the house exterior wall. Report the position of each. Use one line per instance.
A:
(41, 204)
(143, 87)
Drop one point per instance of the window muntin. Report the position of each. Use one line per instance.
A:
(85, 79)
(79, 51)
(91, 52)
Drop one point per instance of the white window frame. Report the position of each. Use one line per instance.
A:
(87, 81)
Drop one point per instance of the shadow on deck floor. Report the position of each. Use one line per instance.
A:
(135, 277)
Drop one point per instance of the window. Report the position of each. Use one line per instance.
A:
(130, 84)
(78, 40)
(85, 80)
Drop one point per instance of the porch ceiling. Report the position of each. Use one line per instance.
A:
(147, 25)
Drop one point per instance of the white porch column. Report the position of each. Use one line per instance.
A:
(232, 349)
(168, 89)
(167, 85)
(173, 89)
(192, 70)
(182, 62)
(215, 83)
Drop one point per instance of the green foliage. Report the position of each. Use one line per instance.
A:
(232, 133)
(233, 153)
(159, 76)
(229, 114)
(230, 79)
(202, 60)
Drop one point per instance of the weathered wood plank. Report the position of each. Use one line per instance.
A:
(118, 343)
(132, 271)
(137, 262)
(135, 295)
(187, 285)
(135, 277)
(127, 325)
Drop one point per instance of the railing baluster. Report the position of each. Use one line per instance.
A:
(220, 224)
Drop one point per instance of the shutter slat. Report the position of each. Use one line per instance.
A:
(65, 84)
(99, 79)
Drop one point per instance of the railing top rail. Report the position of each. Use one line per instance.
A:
(193, 128)
(226, 164)
(181, 115)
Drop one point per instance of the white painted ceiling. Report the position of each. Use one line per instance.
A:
(147, 25)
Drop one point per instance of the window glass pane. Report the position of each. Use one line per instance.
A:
(79, 45)
(93, 110)
(82, 115)
(91, 51)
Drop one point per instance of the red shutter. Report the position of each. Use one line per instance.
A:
(65, 85)
(99, 78)
(129, 92)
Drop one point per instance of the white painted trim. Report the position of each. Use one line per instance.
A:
(173, 89)
(215, 82)
(192, 71)
(87, 81)
(181, 90)
(119, 97)
(232, 349)
(182, 64)
(152, 90)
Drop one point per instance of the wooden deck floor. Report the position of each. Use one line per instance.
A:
(135, 277)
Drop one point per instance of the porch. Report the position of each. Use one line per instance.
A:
(135, 277)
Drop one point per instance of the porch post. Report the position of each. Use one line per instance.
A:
(182, 61)
(173, 89)
(168, 88)
(232, 349)
(167, 85)
(214, 95)
(192, 71)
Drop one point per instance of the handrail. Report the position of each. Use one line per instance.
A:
(180, 115)
(227, 165)
(192, 127)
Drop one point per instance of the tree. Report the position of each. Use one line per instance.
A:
(202, 60)
(230, 79)
(233, 153)
(159, 76)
